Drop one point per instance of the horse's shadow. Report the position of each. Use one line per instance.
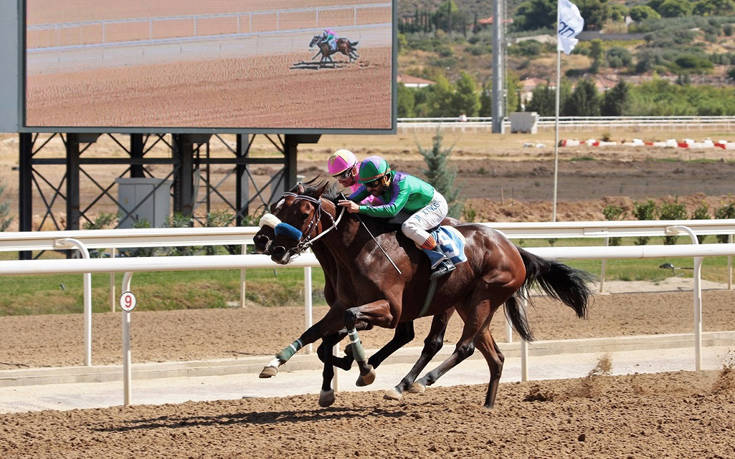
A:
(252, 417)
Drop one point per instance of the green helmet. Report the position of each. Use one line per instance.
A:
(372, 168)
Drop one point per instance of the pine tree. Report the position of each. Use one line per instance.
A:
(439, 174)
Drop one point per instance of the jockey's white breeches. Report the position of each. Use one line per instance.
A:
(415, 228)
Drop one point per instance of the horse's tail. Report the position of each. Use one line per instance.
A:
(558, 280)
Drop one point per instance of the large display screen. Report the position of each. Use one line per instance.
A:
(194, 65)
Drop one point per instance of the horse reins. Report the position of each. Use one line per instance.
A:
(376, 241)
(308, 241)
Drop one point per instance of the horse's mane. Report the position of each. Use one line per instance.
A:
(331, 193)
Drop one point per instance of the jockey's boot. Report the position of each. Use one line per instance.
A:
(441, 265)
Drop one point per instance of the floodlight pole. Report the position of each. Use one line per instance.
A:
(498, 111)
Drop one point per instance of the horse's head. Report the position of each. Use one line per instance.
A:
(315, 41)
(293, 224)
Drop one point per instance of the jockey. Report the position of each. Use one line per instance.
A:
(343, 166)
(402, 191)
(329, 36)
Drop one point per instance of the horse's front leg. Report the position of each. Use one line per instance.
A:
(324, 351)
(327, 326)
(375, 313)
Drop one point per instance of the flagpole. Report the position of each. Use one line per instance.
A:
(556, 118)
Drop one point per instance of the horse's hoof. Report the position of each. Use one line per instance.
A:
(348, 350)
(269, 372)
(392, 394)
(326, 398)
(366, 379)
(417, 388)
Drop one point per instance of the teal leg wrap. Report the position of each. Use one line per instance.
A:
(358, 352)
(289, 351)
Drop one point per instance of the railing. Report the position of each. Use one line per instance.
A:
(572, 121)
(198, 25)
(130, 265)
(171, 237)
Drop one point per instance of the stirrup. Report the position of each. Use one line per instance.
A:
(442, 269)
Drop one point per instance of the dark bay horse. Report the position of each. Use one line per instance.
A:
(344, 46)
(365, 290)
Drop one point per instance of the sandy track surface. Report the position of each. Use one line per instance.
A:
(57, 340)
(261, 92)
(676, 414)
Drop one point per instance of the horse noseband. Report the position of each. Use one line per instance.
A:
(291, 232)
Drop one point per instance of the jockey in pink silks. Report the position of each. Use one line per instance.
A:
(343, 166)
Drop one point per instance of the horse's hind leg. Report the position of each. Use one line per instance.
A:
(494, 358)
(464, 348)
(432, 345)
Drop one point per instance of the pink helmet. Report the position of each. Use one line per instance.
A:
(340, 161)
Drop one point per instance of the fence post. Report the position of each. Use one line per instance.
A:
(603, 267)
(242, 278)
(112, 284)
(87, 297)
(697, 293)
(307, 303)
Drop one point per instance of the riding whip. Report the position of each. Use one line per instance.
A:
(376, 241)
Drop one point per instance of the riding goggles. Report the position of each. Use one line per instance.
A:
(344, 175)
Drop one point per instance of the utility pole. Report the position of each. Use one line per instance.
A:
(498, 111)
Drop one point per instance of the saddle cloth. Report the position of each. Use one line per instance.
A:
(451, 242)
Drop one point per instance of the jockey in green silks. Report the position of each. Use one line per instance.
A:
(401, 191)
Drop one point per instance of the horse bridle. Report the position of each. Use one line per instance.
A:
(305, 239)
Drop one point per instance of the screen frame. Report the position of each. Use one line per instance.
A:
(25, 128)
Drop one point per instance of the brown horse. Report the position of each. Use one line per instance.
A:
(344, 46)
(404, 333)
(366, 289)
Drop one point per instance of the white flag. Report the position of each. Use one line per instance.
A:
(570, 24)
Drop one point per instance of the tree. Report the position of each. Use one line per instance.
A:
(542, 101)
(440, 97)
(439, 174)
(594, 12)
(486, 100)
(617, 57)
(596, 54)
(406, 102)
(640, 13)
(584, 100)
(675, 8)
(466, 98)
(4, 211)
(535, 14)
(615, 101)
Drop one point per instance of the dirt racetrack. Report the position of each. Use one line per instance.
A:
(676, 414)
(262, 92)
(680, 414)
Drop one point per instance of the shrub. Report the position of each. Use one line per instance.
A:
(644, 211)
(613, 212)
(726, 211)
(672, 210)
(701, 213)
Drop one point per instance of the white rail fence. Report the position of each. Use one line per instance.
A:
(149, 30)
(485, 123)
(83, 240)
